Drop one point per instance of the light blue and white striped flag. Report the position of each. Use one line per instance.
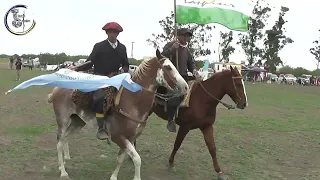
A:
(205, 69)
(69, 79)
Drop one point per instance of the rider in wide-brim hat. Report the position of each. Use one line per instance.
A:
(186, 63)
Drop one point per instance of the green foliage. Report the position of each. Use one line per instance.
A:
(133, 61)
(225, 40)
(275, 41)
(58, 58)
(297, 71)
(316, 52)
(199, 64)
(257, 22)
(47, 58)
(200, 36)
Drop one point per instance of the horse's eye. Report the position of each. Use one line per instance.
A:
(167, 67)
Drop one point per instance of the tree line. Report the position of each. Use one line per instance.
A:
(297, 72)
(58, 58)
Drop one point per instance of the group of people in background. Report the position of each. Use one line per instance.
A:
(18, 63)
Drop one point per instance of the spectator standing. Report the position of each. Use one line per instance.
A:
(11, 60)
(18, 67)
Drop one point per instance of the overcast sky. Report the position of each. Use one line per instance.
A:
(74, 26)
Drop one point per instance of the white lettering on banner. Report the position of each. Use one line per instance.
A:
(73, 75)
(74, 78)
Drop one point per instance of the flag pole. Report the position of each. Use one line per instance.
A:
(176, 32)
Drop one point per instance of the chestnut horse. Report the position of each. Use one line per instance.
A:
(201, 112)
(127, 119)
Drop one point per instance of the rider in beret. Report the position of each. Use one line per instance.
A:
(107, 57)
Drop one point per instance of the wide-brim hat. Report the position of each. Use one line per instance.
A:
(184, 31)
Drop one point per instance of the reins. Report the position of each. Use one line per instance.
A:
(229, 106)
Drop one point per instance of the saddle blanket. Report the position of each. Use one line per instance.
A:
(185, 102)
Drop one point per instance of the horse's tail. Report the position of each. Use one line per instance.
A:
(49, 99)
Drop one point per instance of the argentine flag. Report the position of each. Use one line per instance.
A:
(69, 79)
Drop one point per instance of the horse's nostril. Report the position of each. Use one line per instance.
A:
(186, 88)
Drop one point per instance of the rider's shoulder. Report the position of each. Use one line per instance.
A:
(121, 45)
(98, 45)
(101, 43)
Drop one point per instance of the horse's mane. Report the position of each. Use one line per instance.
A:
(142, 69)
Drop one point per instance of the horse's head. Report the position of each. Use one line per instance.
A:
(168, 76)
(159, 71)
(235, 88)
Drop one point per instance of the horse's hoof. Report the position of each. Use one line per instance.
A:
(64, 177)
(113, 178)
(221, 177)
(67, 157)
(172, 169)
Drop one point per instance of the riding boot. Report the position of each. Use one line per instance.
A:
(173, 105)
(171, 126)
(102, 133)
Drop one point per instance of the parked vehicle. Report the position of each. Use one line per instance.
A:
(36, 63)
(274, 78)
(80, 61)
(304, 79)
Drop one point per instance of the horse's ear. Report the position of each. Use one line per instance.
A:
(158, 54)
(231, 68)
(235, 68)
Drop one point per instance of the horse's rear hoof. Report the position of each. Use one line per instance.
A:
(172, 169)
(65, 177)
(221, 177)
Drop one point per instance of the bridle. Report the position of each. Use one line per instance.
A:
(220, 101)
(159, 61)
(135, 119)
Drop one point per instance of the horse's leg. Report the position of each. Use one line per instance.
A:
(182, 132)
(120, 158)
(131, 151)
(61, 137)
(76, 124)
(209, 139)
(66, 151)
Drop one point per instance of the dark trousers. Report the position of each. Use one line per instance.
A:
(98, 96)
(97, 104)
(174, 102)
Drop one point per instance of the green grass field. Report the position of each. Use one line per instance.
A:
(276, 137)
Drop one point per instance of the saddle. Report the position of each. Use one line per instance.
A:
(84, 100)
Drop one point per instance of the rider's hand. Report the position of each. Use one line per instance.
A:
(175, 45)
(72, 67)
(196, 74)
